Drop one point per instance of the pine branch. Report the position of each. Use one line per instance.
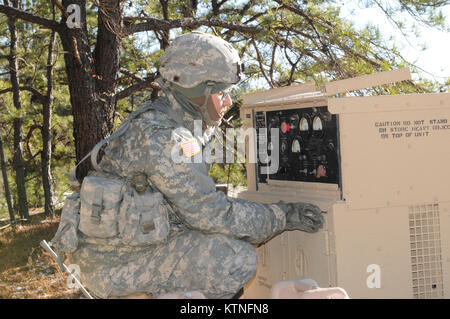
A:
(260, 61)
(19, 14)
(61, 8)
(41, 98)
(148, 83)
(153, 24)
(131, 74)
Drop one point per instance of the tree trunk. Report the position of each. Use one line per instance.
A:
(46, 154)
(18, 142)
(91, 82)
(6, 183)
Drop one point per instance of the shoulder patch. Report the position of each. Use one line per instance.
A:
(190, 148)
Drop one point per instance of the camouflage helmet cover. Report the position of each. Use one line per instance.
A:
(199, 57)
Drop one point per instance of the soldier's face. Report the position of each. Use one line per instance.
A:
(217, 105)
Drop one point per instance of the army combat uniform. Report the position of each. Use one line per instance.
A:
(209, 244)
(148, 219)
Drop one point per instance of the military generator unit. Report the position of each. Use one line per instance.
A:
(377, 165)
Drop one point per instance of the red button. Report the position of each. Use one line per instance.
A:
(285, 127)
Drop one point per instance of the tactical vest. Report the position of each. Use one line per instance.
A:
(126, 211)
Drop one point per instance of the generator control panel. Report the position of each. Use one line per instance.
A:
(307, 144)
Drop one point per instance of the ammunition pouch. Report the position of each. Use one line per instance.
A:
(143, 218)
(111, 207)
(100, 201)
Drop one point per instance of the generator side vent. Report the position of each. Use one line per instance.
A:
(426, 258)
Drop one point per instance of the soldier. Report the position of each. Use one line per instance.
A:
(197, 238)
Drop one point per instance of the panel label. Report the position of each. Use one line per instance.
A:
(414, 128)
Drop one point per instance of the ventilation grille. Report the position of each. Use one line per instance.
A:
(425, 240)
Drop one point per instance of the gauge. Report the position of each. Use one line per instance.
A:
(317, 124)
(296, 146)
(304, 125)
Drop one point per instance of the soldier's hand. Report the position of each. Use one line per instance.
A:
(302, 216)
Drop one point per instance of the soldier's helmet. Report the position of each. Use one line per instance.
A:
(195, 59)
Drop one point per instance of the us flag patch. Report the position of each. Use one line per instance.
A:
(190, 148)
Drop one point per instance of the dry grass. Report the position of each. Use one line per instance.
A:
(26, 269)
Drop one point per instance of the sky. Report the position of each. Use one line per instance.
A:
(435, 60)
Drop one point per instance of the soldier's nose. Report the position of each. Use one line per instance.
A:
(226, 101)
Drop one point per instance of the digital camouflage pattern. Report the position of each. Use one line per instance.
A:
(209, 245)
(143, 218)
(100, 196)
(66, 238)
(198, 57)
(214, 264)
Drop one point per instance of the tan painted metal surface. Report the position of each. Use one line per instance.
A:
(395, 158)
(389, 236)
(409, 254)
(389, 103)
(278, 93)
(366, 81)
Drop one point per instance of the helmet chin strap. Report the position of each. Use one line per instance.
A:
(191, 107)
(182, 100)
(203, 109)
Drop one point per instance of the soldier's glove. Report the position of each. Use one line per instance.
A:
(302, 216)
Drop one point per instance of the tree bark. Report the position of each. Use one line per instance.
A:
(6, 183)
(91, 77)
(91, 83)
(18, 138)
(165, 34)
(46, 155)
